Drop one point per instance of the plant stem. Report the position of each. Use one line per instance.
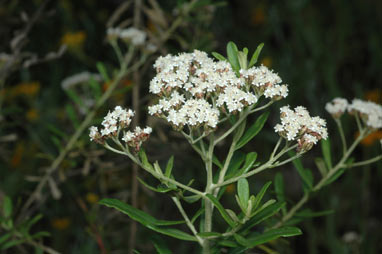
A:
(188, 222)
(343, 139)
(365, 162)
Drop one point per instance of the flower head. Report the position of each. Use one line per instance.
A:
(116, 121)
(195, 90)
(298, 125)
(337, 107)
(370, 112)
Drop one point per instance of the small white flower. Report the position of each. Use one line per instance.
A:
(134, 35)
(371, 112)
(129, 136)
(93, 133)
(337, 106)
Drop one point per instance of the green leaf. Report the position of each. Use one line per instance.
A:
(96, 88)
(12, 243)
(216, 161)
(227, 243)
(197, 214)
(160, 246)
(169, 166)
(243, 192)
(102, 70)
(250, 160)
(160, 188)
(307, 213)
(263, 214)
(279, 189)
(232, 56)
(305, 174)
(219, 56)
(255, 55)
(320, 163)
(7, 207)
(144, 160)
(75, 98)
(326, 153)
(261, 194)
(336, 175)
(191, 199)
(253, 130)
(136, 214)
(209, 234)
(221, 209)
(268, 236)
(176, 233)
(72, 115)
(235, 163)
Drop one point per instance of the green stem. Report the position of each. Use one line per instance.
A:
(343, 139)
(188, 222)
(365, 162)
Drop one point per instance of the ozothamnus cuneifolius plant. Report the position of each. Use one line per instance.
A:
(209, 101)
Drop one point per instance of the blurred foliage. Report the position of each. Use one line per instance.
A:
(323, 49)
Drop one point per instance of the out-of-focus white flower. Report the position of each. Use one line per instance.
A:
(298, 125)
(370, 112)
(337, 107)
(133, 35)
(79, 78)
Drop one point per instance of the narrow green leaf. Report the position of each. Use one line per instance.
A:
(12, 243)
(216, 161)
(320, 163)
(75, 98)
(279, 189)
(72, 115)
(191, 199)
(176, 233)
(96, 88)
(307, 213)
(160, 190)
(253, 130)
(144, 160)
(269, 236)
(221, 209)
(235, 163)
(243, 192)
(227, 243)
(263, 214)
(7, 207)
(232, 56)
(219, 56)
(136, 214)
(102, 70)
(169, 166)
(240, 239)
(305, 174)
(250, 160)
(261, 194)
(197, 214)
(326, 153)
(255, 55)
(160, 245)
(209, 234)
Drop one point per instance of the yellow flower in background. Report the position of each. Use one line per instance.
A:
(258, 15)
(374, 95)
(267, 61)
(92, 198)
(61, 223)
(74, 40)
(26, 88)
(32, 114)
(231, 188)
(372, 138)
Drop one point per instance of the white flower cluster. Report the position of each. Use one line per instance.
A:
(114, 122)
(194, 89)
(337, 107)
(298, 125)
(131, 34)
(370, 112)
